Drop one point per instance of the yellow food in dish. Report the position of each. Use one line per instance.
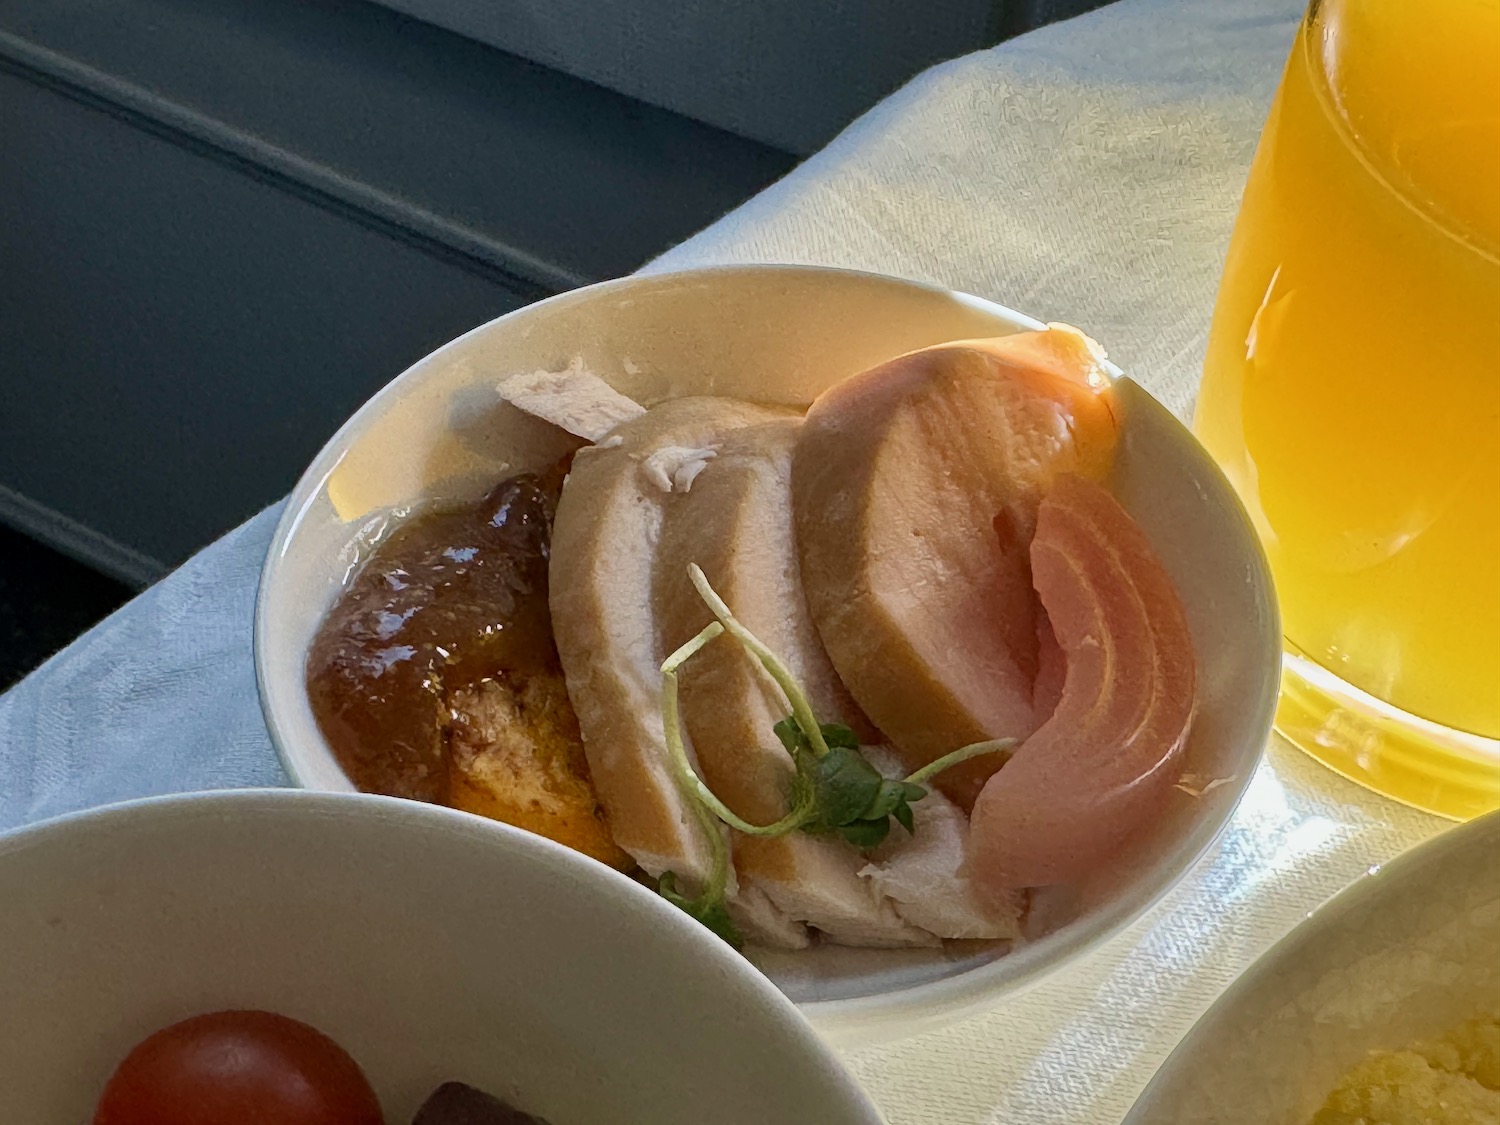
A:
(515, 755)
(1454, 1080)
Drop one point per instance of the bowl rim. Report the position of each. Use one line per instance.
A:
(901, 1011)
(1370, 885)
(305, 491)
(515, 845)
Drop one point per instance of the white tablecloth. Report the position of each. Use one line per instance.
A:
(1088, 172)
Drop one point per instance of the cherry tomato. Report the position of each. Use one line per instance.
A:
(238, 1068)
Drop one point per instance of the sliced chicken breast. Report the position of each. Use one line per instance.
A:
(926, 874)
(736, 524)
(604, 541)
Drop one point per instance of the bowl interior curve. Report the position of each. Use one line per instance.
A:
(430, 945)
(783, 334)
(1404, 954)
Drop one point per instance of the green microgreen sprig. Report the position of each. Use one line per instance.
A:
(710, 904)
(834, 788)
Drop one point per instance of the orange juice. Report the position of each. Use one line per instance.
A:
(1352, 390)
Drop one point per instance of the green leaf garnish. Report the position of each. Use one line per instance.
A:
(838, 736)
(846, 788)
(890, 796)
(834, 788)
(902, 812)
(866, 834)
(708, 908)
(791, 736)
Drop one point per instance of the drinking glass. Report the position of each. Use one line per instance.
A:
(1352, 391)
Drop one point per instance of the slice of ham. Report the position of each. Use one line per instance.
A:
(1102, 768)
(903, 477)
(1051, 668)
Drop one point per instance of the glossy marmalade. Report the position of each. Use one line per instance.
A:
(435, 677)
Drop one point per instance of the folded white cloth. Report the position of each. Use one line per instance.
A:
(1088, 172)
(157, 698)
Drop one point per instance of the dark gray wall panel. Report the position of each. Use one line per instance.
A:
(561, 179)
(791, 73)
(177, 338)
(223, 223)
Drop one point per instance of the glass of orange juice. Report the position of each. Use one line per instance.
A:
(1352, 391)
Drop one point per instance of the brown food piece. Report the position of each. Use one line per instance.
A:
(436, 678)
(450, 598)
(454, 1103)
(515, 754)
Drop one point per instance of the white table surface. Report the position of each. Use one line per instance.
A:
(1088, 172)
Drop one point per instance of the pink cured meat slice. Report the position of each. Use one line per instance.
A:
(903, 479)
(1103, 766)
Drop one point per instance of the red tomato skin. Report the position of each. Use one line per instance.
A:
(238, 1068)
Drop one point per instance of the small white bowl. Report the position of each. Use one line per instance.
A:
(783, 334)
(1406, 953)
(429, 944)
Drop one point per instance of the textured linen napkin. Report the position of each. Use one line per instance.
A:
(1088, 172)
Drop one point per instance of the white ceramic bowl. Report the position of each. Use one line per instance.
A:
(783, 334)
(1406, 953)
(430, 944)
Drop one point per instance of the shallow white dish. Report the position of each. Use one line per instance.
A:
(1406, 953)
(783, 333)
(429, 944)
